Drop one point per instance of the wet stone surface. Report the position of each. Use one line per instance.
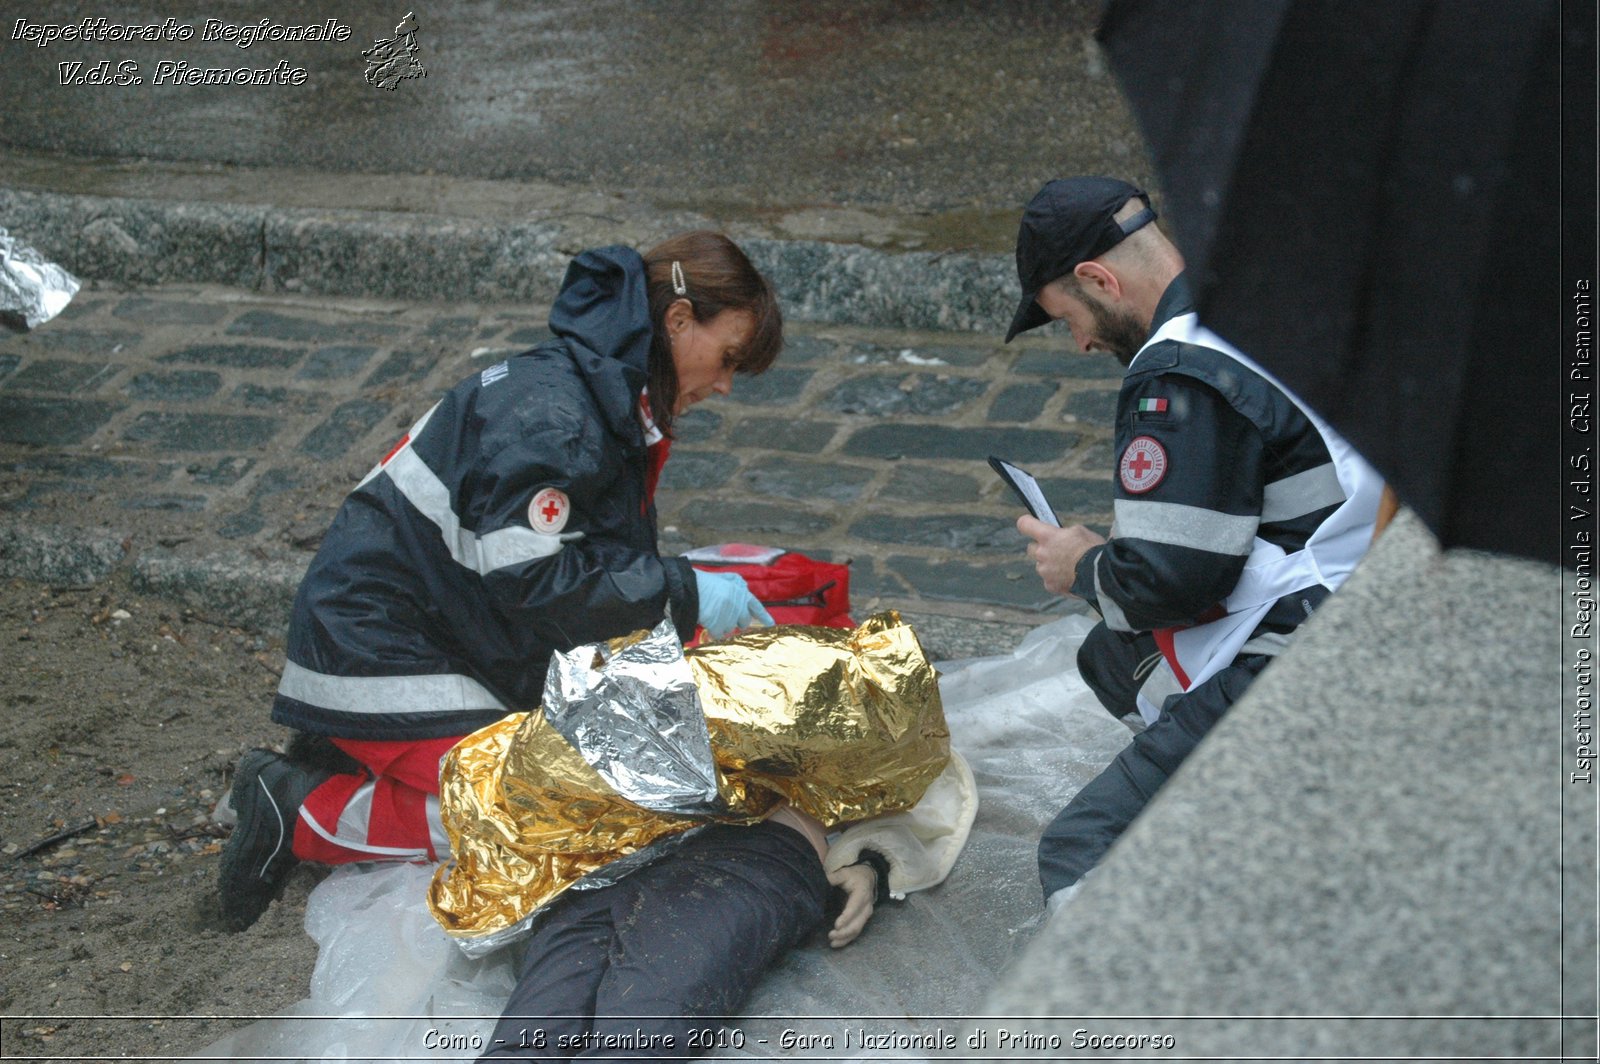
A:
(866, 354)
(407, 367)
(1011, 583)
(51, 422)
(1064, 361)
(801, 350)
(66, 377)
(936, 441)
(275, 326)
(236, 356)
(177, 386)
(348, 423)
(1098, 407)
(82, 467)
(200, 432)
(335, 362)
(696, 426)
(529, 336)
(914, 394)
(1078, 496)
(1022, 402)
(806, 481)
(783, 434)
(456, 328)
(256, 396)
(950, 531)
(83, 342)
(738, 520)
(772, 388)
(223, 471)
(697, 469)
(175, 503)
(929, 484)
(166, 312)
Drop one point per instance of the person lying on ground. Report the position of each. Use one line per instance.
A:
(788, 732)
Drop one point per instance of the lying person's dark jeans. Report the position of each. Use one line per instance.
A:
(674, 948)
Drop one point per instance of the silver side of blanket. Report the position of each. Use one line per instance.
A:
(630, 707)
(32, 289)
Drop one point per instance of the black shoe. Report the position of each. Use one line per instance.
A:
(268, 790)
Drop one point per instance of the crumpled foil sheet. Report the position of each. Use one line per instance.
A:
(846, 724)
(630, 709)
(32, 290)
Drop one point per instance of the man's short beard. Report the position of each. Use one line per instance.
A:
(1120, 333)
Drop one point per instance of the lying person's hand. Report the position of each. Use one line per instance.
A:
(860, 885)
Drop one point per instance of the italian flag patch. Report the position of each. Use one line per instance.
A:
(1152, 406)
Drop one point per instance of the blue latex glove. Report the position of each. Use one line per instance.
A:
(726, 603)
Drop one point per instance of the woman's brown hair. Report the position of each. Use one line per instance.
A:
(716, 276)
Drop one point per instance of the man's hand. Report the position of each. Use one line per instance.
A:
(860, 885)
(1055, 552)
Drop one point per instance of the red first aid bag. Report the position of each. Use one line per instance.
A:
(795, 589)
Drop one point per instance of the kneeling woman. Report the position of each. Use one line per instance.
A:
(515, 518)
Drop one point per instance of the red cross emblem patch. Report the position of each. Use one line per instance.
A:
(549, 510)
(1143, 465)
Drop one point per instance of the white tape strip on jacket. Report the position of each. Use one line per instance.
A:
(482, 554)
(428, 494)
(436, 693)
(1177, 525)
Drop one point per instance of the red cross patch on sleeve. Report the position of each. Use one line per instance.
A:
(1143, 465)
(549, 510)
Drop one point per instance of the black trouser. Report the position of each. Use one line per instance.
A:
(1114, 665)
(673, 948)
(1081, 833)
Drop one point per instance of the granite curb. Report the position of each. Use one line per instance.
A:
(406, 255)
(247, 590)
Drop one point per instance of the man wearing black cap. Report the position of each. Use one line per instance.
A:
(1237, 510)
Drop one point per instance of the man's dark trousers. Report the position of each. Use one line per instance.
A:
(1110, 663)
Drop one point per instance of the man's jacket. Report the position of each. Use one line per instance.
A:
(1238, 510)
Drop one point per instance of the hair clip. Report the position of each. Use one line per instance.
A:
(679, 285)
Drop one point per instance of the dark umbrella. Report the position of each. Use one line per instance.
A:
(1368, 198)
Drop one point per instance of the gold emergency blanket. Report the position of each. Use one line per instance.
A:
(846, 724)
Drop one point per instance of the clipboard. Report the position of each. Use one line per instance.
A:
(1027, 489)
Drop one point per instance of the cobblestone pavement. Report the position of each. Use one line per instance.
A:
(170, 427)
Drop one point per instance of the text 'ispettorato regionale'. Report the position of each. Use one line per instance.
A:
(168, 71)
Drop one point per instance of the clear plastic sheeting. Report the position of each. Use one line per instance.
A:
(389, 983)
(1033, 734)
(32, 290)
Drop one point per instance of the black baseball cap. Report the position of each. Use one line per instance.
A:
(1071, 220)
